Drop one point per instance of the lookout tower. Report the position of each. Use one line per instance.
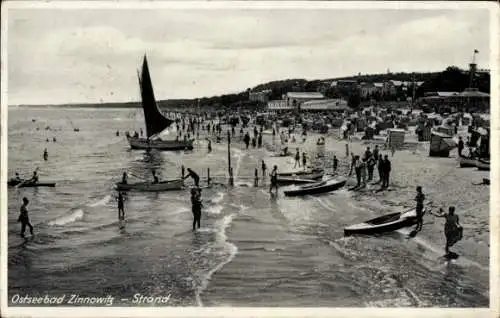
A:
(472, 69)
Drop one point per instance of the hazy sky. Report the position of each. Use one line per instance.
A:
(71, 56)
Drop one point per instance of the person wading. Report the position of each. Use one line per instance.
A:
(420, 197)
(121, 206)
(304, 160)
(452, 228)
(335, 164)
(24, 219)
(274, 180)
(196, 207)
(124, 178)
(193, 175)
(155, 178)
(264, 168)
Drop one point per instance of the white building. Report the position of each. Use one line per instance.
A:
(294, 99)
(325, 104)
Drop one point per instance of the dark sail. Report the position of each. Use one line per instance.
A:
(155, 121)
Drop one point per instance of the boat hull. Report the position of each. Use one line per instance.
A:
(169, 185)
(317, 188)
(383, 224)
(308, 174)
(467, 162)
(162, 145)
(38, 184)
(482, 165)
(300, 179)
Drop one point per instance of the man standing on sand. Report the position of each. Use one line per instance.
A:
(24, 219)
(460, 146)
(297, 158)
(380, 167)
(387, 171)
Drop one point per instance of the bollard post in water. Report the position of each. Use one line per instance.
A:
(229, 151)
(182, 171)
(208, 176)
(231, 179)
(256, 180)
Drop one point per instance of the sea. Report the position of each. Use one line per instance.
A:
(253, 248)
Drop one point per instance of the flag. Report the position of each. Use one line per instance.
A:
(476, 51)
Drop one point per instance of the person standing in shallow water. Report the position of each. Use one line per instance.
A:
(264, 168)
(335, 164)
(420, 197)
(274, 180)
(24, 218)
(121, 206)
(452, 228)
(196, 207)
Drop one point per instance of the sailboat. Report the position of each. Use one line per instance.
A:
(154, 120)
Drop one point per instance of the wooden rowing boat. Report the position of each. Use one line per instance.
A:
(482, 165)
(168, 185)
(467, 162)
(29, 184)
(385, 223)
(295, 179)
(308, 174)
(318, 187)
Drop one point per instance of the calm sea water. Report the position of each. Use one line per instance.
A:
(252, 250)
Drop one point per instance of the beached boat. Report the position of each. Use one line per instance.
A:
(167, 185)
(310, 178)
(482, 164)
(154, 120)
(318, 187)
(307, 174)
(466, 162)
(382, 224)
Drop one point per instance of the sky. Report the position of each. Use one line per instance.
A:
(59, 56)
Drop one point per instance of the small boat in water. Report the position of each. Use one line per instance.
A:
(318, 187)
(382, 224)
(29, 184)
(483, 165)
(465, 162)
(168, 185)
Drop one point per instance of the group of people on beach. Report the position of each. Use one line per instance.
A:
(365, 166)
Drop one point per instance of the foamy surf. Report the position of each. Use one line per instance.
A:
(228, 247)
(71, 217)
(100, 202)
